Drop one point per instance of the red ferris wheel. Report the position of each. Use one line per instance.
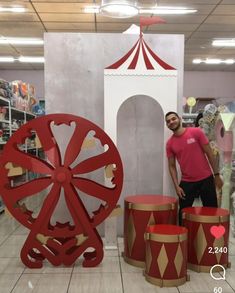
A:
(61, 243)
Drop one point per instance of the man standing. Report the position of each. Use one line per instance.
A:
(191, 148)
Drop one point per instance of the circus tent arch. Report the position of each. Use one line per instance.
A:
(130, 76)
(139, 72)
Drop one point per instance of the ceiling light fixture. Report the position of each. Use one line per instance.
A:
(10, 59)
(12, 9)
(119, 9)
(167, 10)
(214, 61)
(229, 61)
(31, 59)
(7, 59)
(21, 41)
(224, 43)
(197, 61)
(125, 9)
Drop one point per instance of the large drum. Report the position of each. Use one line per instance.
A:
(205, 249)
(166, 255)
(140, 212)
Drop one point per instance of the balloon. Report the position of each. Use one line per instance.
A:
(191, 101)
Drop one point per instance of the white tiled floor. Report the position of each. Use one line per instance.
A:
(113, 275)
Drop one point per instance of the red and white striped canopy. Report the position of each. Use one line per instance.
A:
(140, 60)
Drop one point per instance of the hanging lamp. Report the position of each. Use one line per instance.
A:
(119, 9)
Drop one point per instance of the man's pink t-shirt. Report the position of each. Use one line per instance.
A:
(187, 149)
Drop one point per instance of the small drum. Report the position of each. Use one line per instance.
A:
(166, 255)
(140, 212)
(204, 249)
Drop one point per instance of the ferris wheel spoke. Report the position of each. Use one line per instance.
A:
(74, 146)
(28, 162)
(94, 189)
(49, 144)
(27, 189)
(76, 207)
(94, 163)
(48, 206)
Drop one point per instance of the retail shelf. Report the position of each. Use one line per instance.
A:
(4, 100)
(8, 129)
(189, 115)
(189, 119)
(31, 148)
(28, 148)
(23, 112)
(4, 121)
(10, 122)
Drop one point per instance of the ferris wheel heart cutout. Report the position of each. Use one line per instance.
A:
(71, 175)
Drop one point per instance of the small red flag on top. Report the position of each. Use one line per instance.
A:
(145, 21)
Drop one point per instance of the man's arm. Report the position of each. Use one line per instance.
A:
(211, 158)
(174, 176)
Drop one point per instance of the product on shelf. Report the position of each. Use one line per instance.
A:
(23, 96)
(1, 135)
(2, 113)
(5, 89)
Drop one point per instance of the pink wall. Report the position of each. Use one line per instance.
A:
(213, 84)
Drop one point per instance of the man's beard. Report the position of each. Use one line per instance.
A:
(176, 127)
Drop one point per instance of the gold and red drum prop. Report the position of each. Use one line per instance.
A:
(66, 172)
(204, 249)
(166, 255)
(140, 212)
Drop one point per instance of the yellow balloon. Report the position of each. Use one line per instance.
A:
(191, 101)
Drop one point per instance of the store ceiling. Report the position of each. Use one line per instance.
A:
(214, 19)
